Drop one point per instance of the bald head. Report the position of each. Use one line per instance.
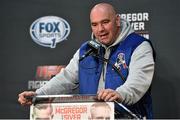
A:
(105, 23)
(103, 7)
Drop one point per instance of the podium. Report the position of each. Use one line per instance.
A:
(76, 107)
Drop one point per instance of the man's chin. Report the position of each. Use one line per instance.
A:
(104, 42)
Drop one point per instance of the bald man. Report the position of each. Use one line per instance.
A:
(125, 75)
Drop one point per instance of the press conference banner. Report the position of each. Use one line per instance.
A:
(72, 111)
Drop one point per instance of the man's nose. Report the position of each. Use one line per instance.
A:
(100, 27)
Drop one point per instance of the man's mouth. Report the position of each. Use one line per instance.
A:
(103, 36)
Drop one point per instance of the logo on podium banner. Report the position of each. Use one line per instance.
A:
(49, 30)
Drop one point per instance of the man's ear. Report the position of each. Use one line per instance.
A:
(93, 36)
(118, 19)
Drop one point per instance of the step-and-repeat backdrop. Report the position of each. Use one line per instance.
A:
(39, 37)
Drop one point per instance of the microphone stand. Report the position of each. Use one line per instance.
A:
(89, 52)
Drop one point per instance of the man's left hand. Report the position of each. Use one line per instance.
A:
(108, 95)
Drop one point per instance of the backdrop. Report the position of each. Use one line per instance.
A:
(24, 22)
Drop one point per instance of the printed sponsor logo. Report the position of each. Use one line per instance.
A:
(49, 30)
(43, 75)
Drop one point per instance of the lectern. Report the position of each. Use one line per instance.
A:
(76, 107)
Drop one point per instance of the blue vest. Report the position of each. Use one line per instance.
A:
(90, 69)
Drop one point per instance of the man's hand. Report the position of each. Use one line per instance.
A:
(23, 97)
(109, 95)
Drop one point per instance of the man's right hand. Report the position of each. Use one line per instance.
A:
(23, 97)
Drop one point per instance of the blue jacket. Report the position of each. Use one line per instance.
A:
(91, 67)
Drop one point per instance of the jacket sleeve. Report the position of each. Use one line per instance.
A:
(141, 70)
(66, 81)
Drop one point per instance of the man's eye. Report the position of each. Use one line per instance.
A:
(105, 22)
(94, 25)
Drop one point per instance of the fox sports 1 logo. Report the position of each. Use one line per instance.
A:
(49, 30)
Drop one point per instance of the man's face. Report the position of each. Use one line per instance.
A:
(44, 114)
(101, 113)
(105, 25)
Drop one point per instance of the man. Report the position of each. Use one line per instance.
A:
(100, 111)
(127, 51)
(42, 112)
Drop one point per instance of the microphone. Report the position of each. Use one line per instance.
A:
(94, 48)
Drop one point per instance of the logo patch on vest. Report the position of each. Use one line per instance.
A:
(121, 61)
